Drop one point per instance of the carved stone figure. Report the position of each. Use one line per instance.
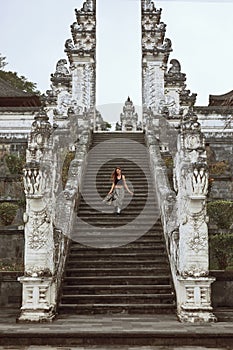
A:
(61, 69)
(165, 47)
(88, 6)
(69, 44)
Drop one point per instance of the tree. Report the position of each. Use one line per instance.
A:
(2, 61)
(107, 126)
(19, 82)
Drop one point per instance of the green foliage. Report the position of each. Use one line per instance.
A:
(107, 126)
(3, 62)
(221, 212)
(19, 82)
(7, 212)
(11, 266)
(221, 249)
(15, 163)
(65, 169)
(168, 162)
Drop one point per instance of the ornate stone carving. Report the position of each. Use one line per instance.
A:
(62, 75)
(186, 98)
(200, 179)
(194, 270)
(128, 118)
(38, 234)
(61, 69)
(149, 6)
(88, 6)
(174, 77)
(34, 180)
(64, 101)
(75, 109)
(39, 138)
(167, 106)
(51, 97)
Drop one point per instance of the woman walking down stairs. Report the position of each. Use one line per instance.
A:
(117, 263)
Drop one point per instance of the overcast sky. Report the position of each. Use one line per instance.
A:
(33, 33)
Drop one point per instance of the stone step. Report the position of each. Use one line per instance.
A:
(104, 289)
(142, 244)
(105, 187)
(130, 273)
(111, 231)
(118, 299)
(101, 219)
(117, 308)
(116, 280)
(151, 249)
(142, 241)
(224, 314)
(137, 246)
(113, 271)
(123, 263)
(129, 210)
(99, 256)
(131, 226)
(101, 165)
(132, 173)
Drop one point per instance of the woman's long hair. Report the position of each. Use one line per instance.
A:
(114, 174)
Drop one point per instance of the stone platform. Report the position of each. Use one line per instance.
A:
(150, 332)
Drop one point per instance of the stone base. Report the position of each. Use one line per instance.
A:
(195, 315)
(28, 315)
(38, 304)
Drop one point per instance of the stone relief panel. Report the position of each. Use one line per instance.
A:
(39, 229)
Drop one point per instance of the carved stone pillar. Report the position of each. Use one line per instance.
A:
(155, 52)
(191, 184)
(81, 51)
(38, 289)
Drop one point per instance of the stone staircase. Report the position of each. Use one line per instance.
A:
(117, 263)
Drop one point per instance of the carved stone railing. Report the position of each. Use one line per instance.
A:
(183, 216)
(166, 199)
(49, 210)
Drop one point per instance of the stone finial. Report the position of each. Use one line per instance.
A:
(88, 6)
(149, 6)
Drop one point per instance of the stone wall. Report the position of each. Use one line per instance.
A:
(222, 289)
(10, 289)
(221, 188)
(11, 246)
(11, 188)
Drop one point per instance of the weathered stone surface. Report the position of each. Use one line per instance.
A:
(12, 246)
(10, 290)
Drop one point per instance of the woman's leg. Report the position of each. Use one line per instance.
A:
(120, 198)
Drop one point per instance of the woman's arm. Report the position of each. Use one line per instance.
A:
(112, 188)
(125, 185)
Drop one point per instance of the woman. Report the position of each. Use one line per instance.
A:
(117, 189)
